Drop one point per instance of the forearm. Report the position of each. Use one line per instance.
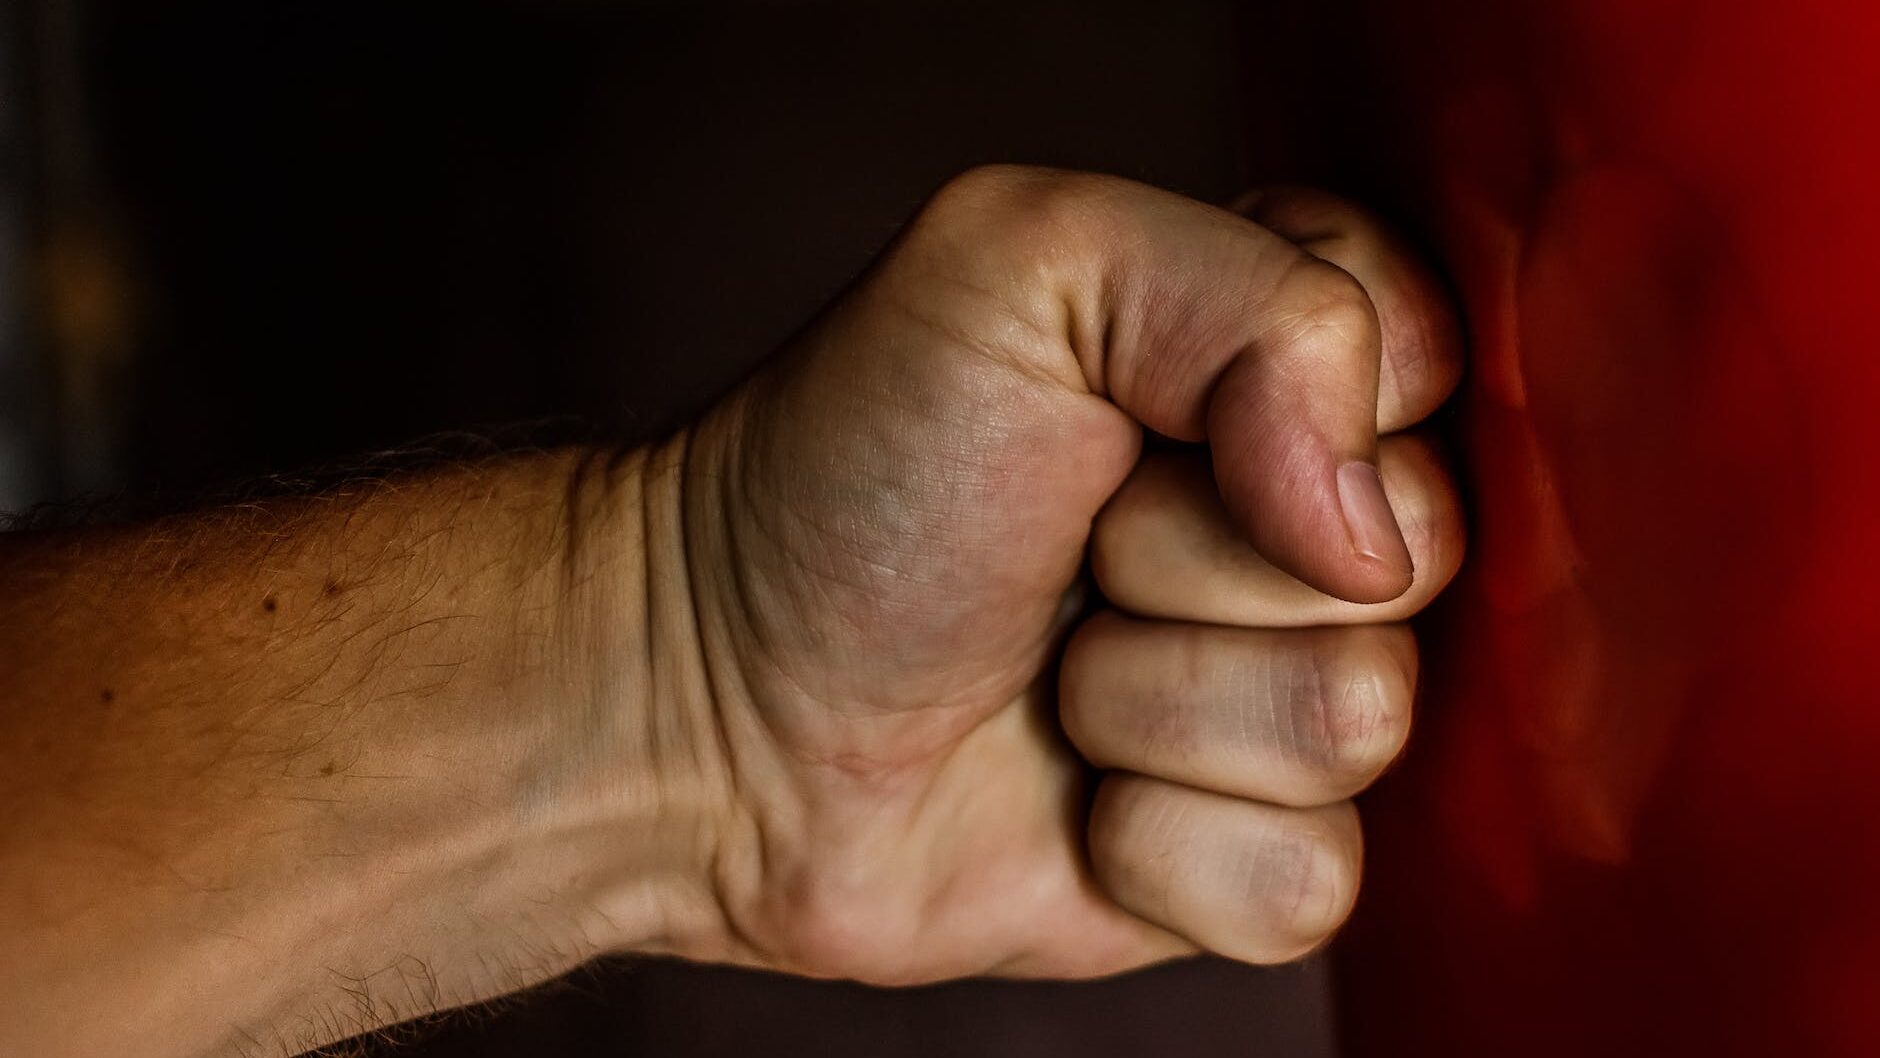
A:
(275, 775)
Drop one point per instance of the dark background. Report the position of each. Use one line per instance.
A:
(238, 238)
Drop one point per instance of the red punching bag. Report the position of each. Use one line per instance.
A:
(1641, 813)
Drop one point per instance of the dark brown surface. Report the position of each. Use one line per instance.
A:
(1200, 1009)
(356, 225)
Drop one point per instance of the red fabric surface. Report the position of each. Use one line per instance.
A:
(1641, 813)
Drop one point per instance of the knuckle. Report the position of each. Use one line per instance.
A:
(1409, 368)
(1163, 734)
(1017, 209)
(1134, 827)
(979, 192)
(1435, 547)
(1429, 511)
(1325, 303)
(995, 184)
(1360, 713)
(1303, 889)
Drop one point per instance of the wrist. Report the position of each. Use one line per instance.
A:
(562, 801)
(637, 792)
(559, 802)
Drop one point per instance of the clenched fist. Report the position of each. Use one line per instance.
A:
(902, 663)
(886, 533)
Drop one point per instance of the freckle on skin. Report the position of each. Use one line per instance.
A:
(327, 768)
(268, 604)
(332, 586)
(107, 696)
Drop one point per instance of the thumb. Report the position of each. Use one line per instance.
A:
(1291, 423)
(1202, 325)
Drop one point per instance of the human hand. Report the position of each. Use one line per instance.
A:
(784, 690)
(883, 536)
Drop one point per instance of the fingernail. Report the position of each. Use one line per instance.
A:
(1368, 518)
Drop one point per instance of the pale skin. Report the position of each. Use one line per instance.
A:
(816, 685)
